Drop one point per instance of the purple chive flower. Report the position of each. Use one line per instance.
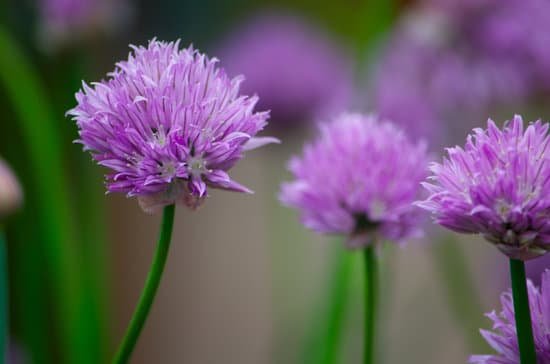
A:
(359, 178)
(535, 267)
(301, 74)
(67, 20)
(497, 186)
(454, 57)
(11, 195)
(400, 92)
(168, 123)
(67, 13)
(503, 338)
(512, 29)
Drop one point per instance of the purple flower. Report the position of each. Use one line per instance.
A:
(67, 13)
(461, 57)
(299, 72)
(512, 29)
(66, 20)
(497, 186)
(400, 93)
(359, 178)
(168, 123)
(11, 195)
(535, 267)
(503, 338)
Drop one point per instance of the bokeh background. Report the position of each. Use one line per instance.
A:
(245, 282)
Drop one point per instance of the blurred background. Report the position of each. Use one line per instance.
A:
(245, 282)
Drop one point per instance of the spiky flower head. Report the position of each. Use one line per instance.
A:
(497, 186)
(358, 178)
(503, 339)
(168, 123)
(11, 195)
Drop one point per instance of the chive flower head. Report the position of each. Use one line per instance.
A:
(498, 186)
(169, 123)
(359, 178)
(503, 338)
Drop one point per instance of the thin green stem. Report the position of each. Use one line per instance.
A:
(150, 290)
(522, 313)
(333, 315)
(371, 288)
(3, 295)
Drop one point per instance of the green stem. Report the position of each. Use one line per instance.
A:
(462, 297)
(151, 286)
(334, 313)
(3, 296)
(522, 312)
(371, 287)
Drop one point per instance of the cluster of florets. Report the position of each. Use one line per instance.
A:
(498, 185)
(503, 339)
(359, 178)
(168, 123)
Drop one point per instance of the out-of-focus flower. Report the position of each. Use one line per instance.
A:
(168, 123)
(359, 178)
(512, 30)
(499, 278)
(300, 74)
(11, 195)
(503, 338)
(397, 92)
(16, 354)
(497, 186)
(461, 57)
(535, 267)
(64, 21)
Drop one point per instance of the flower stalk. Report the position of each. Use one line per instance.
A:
(151, 286)
(522, 313)
(371, 288)
(335, 312)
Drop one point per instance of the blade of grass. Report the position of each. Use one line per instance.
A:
(66, 72)
(56, 220)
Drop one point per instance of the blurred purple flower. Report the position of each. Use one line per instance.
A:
(535, 267)
(299, 72)
(168, 123)
(11, 195)
(497, 186)
(16, 354)
(400, 93)
(64, 21)
(462, 57)
(359, 178)
(514, 30)
(503, 338)
(67, 13)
